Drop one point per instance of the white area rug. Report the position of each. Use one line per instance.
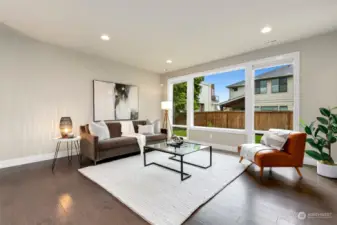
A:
(158, 195)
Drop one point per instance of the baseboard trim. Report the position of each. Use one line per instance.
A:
(307, 160)
(32, 159)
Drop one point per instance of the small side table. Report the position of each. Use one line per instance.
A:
(71, 144)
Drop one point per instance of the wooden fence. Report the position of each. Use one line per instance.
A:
(236, 119)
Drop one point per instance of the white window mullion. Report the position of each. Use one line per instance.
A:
(249, 103)
(170, 113)
(190, 104)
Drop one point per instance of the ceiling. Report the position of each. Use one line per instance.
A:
(145, 33)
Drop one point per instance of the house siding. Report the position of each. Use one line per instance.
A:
(239, 92)
(277, 99)
(205, 97)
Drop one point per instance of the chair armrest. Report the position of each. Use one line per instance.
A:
(89, 144)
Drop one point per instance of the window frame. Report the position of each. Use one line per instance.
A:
(274, 106)
(279, 85)
(250, 67)
(260, 88)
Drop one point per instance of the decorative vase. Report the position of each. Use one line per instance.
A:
(326, 170)
(66, 126)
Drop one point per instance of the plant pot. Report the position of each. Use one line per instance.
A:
(326, 170)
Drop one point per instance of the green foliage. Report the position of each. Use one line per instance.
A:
(180, 132)
(197, 91)
(258, 138)
(180, 95)
(322, 135)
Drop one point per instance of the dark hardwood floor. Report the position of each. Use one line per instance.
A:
(32, 195)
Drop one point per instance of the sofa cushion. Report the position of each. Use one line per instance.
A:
(138, 122)
(115, 129)
(116, 143)
(155, 137)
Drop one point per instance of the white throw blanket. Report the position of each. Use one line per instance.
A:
(129, 131)
(248, 151)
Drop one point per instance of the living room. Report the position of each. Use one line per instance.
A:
(174, 95)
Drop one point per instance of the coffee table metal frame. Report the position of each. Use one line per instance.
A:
(183, 175)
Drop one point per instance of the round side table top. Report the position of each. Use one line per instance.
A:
(77, 138)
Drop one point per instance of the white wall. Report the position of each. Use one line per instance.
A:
(41, 83)
(318, 77)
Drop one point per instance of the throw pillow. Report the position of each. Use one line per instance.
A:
(145, 129)
(100, 130)
(156, 125)
(275, 138)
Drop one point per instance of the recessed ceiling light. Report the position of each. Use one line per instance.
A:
(266, 29)
(169, 61)
(105, 37)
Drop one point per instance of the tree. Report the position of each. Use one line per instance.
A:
(180, 96)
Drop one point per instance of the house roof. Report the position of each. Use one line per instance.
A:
(283, 71)
(225, 103)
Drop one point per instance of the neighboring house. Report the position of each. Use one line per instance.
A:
(208, 101)
(273, 92)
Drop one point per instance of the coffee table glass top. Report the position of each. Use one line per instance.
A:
(184, 149)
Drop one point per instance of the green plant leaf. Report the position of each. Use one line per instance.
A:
(312, 143)
(316, 132)
(334, 128)
(326, 157)
(323, 120)
(325, 112)
(334, 118)
(323, 129)
(308, 130)
(332, 139)
(312, 124)
(314, 155)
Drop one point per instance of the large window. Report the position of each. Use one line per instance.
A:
(240, 99)
(219, 100)
(279, 85)
(271, 111)
(260, 87)
(179, 103)
(179, 109)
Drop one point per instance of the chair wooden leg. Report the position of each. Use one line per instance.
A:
(261, 172)
(299, 172)
(241, 158)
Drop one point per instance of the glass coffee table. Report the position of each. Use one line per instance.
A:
(185, 149)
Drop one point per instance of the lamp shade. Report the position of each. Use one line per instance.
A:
(166, 105)
(66, 126)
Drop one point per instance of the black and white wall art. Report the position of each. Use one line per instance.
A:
(115, 101)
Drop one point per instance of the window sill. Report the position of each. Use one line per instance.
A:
(220, 130)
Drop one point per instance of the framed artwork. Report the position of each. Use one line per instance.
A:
(115, 101)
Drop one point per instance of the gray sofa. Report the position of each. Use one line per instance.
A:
(117, 145)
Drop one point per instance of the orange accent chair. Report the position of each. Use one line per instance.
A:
(291, 156)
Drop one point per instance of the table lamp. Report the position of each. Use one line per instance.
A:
(66, 126)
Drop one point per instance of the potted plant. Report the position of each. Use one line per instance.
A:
(321, 135)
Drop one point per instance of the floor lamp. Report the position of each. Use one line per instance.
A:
(166, 106)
